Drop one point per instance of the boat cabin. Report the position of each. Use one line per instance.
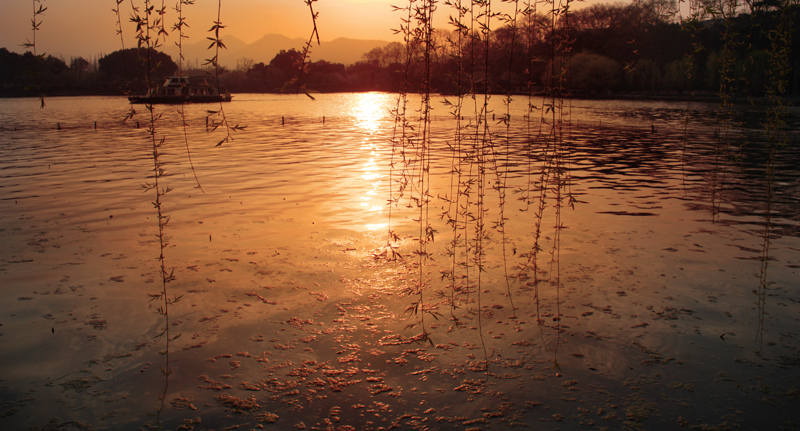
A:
(183, 89)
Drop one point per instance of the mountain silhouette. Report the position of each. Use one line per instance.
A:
(341, 50)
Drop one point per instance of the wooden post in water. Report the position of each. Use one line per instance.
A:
(283, 121)
(323, 120)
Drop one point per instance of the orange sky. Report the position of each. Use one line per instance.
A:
(88, 27)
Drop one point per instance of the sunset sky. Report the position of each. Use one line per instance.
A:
(87, 28)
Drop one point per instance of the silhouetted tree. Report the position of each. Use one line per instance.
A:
(79, 65)
(593, 73)
(286, 68)
(127, 70)
(17, 73)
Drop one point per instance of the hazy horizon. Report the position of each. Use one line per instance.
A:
(64, 31)
(246, 20)
(236, 50)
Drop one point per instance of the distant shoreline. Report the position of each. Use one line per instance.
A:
(704, 98)
(645, 97)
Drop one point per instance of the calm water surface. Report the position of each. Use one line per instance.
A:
(286, 318)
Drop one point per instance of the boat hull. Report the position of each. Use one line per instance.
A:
(177, 100)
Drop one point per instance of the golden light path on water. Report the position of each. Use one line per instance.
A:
(368, 109)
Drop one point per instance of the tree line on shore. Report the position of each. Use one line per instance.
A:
(613, 49)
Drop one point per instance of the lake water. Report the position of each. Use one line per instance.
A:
(641, 312)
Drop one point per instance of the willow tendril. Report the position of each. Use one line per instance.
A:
(36, 22)
(420, 28)
(484, 145)
(727, 10)
(148, 23)
(399, 137)
(775, 129)
(179, 26)
(458, 188)
(117, 11)
(217, 44)
(502, 176)
(307, 47)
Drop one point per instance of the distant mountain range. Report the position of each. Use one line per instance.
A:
(341, 50)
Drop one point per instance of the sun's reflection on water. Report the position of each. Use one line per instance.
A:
(369, 108)
(370, 112)
(369, 199)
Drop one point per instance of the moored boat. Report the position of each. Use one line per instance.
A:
(183, 89)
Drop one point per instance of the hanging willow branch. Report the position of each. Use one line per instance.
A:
(36, 22)
(307, 48)
(777, 138)
(216, 45)
(149, 34)
(179, 26)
